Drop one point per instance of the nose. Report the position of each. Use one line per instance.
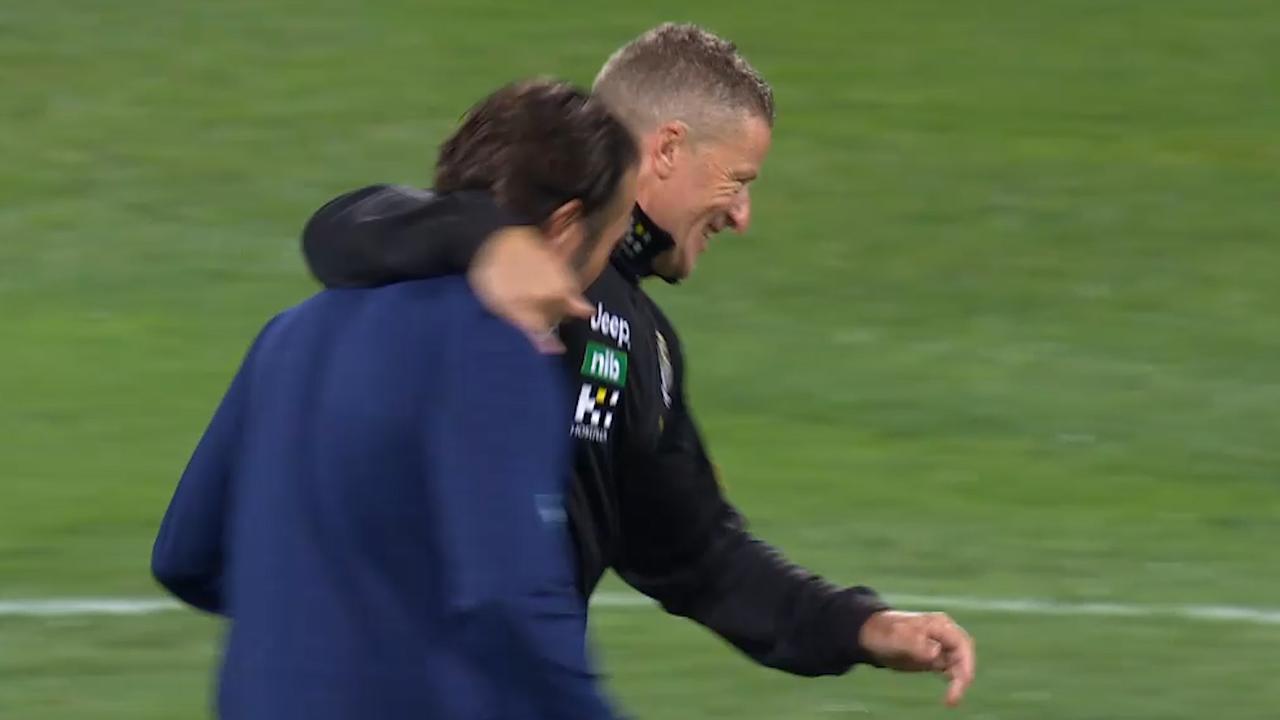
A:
(740, 211)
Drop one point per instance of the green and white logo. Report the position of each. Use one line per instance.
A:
(605, 364)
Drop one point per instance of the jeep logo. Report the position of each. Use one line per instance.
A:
(611, 326)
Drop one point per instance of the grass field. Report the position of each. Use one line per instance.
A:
(1007, 325)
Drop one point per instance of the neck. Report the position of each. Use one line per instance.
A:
(643, 242)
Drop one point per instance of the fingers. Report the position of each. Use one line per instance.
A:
(957, 658)
(955, 691)
(547, 343)
(922, 642)
(927, 652)
(900, 640)
(519, 278)
(961, 675)
(578, 307)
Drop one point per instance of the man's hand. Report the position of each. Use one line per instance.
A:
(922, 642)
(518, 277)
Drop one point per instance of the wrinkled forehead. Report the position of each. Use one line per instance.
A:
(741, 142)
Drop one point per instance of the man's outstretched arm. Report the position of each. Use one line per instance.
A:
(688, 548)
(383, 234)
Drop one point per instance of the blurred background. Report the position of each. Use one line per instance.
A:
(1004, 338)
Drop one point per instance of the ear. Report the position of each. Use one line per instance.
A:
(565, 229)
(670, 139)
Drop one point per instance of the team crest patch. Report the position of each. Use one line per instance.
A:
(664, 367)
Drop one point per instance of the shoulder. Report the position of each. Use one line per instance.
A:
(417, 314)
(660, 318)
(614, 330)
(376, 198)
(464, 313)
(442, 318)
(615, 317)
(665, 333)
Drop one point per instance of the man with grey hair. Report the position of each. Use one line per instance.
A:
(705, 117)
(646, 500)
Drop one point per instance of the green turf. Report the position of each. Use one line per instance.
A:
(1007, 324)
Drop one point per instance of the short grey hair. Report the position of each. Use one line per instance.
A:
(681, 72)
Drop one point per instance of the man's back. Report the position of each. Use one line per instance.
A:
(333, 537)
(391, 527)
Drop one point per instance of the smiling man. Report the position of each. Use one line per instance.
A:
(646, 501)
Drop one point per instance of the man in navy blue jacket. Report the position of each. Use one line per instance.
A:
(377, 503)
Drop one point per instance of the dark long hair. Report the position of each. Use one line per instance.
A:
(537, 144)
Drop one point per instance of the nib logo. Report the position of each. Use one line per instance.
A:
(605, 364)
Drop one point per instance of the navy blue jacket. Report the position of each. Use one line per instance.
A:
(377, 508)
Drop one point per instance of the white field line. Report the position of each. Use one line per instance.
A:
(74, 607)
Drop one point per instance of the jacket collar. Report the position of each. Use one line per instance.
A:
(643, 242)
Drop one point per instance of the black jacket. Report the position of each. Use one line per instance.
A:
(646, 501)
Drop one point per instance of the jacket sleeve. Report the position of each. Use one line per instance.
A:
(187, 558)
(388, 233)
(688, 548)
(500, 462)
